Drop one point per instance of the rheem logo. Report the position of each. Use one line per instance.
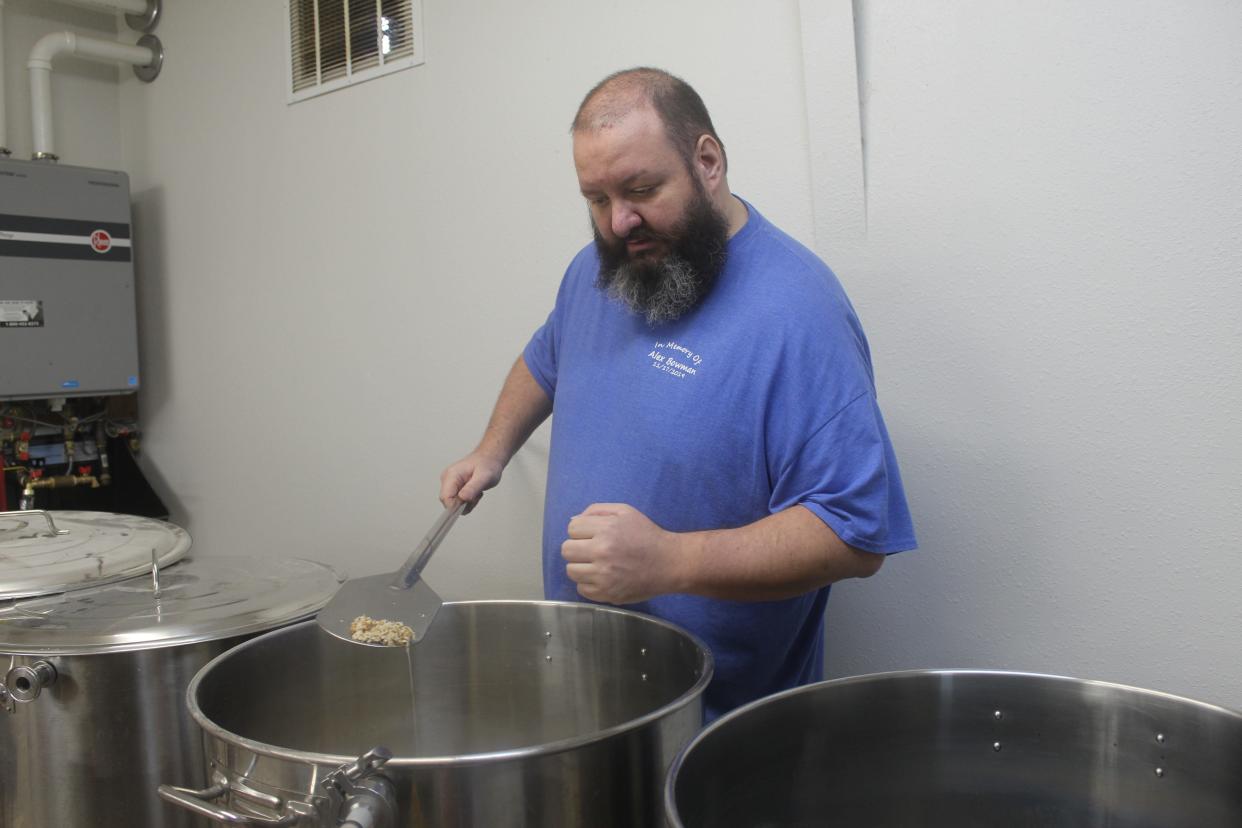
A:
(101, 242)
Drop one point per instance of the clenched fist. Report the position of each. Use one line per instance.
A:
(616, 555)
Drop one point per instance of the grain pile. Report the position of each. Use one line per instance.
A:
(370, 630)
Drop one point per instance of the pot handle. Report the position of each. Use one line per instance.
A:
(199, 802)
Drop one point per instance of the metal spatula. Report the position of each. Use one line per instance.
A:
(402, 596)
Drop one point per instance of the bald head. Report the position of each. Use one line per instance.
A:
(679, 107)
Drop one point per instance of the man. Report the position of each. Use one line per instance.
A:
(718, 458)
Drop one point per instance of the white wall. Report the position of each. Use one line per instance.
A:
(331, 292)
(85, 95)
(1051, 278)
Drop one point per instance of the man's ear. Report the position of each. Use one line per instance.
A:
(709, 160)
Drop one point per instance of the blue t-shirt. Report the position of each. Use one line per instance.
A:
(759, 399)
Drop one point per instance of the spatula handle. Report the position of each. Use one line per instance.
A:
(413, 567)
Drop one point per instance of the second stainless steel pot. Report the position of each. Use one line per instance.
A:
(509, 713)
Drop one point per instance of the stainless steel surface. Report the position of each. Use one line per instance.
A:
(198, 600)
(83, 550)
(963, 749)
(402, 597)
(104, 673)
(513, 713)
(94, 745)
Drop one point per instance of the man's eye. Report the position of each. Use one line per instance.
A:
(641, 191)
(598, 201)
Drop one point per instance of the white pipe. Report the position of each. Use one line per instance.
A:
(130, 6)
(4, 133)
(40, 66)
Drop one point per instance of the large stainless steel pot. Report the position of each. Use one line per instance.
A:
(93, 679)
(509, 713)
(963, 749)
(90, 749)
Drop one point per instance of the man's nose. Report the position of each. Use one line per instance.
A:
(624, 219)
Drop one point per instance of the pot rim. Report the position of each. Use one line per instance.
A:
(670, 778)
(707, 667)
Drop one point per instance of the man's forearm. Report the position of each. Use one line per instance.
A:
(520, 408)
(780, 556)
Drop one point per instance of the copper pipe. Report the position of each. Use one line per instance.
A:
(63, 481)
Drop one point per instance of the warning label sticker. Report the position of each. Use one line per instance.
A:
(21, 313)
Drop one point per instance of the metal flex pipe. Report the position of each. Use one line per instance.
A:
(40, 65)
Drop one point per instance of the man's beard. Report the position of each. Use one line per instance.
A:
(662, 289)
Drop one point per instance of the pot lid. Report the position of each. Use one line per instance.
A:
(198, 600)
(42, 553)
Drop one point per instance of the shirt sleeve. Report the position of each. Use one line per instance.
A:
(846, 474)
(541, 351)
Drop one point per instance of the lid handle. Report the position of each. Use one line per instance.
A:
(51, 532)
(155, 574)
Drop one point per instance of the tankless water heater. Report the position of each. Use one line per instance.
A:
(67, 318)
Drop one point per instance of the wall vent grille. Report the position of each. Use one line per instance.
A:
(337, 43)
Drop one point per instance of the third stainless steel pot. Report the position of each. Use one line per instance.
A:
(963, 749)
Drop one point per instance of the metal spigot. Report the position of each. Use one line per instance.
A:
(367, 797)
(26, 682)
(26, 502)
(343, 778)
(370, 805)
